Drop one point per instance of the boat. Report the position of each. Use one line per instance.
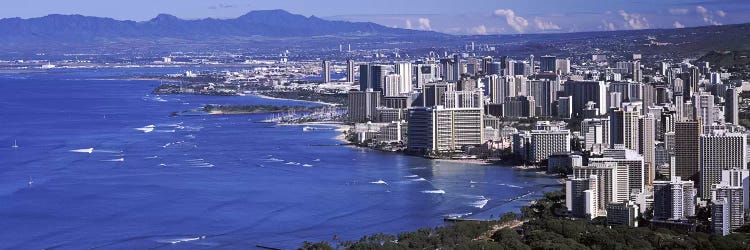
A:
(15, 144)
(308, 128)
(31, 181)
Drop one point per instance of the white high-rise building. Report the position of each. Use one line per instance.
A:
(595, 132)
(630, 172)
(648, 146)
(392, 85)
(404, 71)
(547, 142)
(719, 150)
(581, 197)
(606, 180)
(326, 72)
(674, 200)
(350, 71)
(738, 178)
(733, 197)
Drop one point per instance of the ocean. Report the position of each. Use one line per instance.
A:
(100, 163)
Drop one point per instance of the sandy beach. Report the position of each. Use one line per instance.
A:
(338, 127)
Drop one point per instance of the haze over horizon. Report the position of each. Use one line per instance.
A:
(481, 17)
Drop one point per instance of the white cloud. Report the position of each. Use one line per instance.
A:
(708, 16)
(424, 24)
(634, 21)
(701, 9)
(678, 25)
(542, 25)
(607, 26)
(479, 30)
(408, 24)
(678, 11)
(518, 23)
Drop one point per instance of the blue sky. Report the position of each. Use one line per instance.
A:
(449, 16)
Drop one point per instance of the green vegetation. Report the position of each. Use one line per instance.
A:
(255, 109)
(309, 95)
(540, 227)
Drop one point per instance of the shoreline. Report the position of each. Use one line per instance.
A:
(288, 99)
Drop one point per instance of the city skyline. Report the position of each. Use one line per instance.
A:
(479, 18)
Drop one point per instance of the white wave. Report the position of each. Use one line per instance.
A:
(379, 182)
(165, 131)
(109, 151)
(180, 240)
(293, 163)
(307, 165)
(513, 186)
(419, 168)
(274, 160)
(439, 191)
(316, 160)
(162, 165)
(411, 176)
(190, 136)
(203, 165)
(457, 215)
(159, 99)
(147, 129)
(477, 182)
(116, 160)
(83, 150)
(419, 179)
(166, 145)
(152, 157)
(480, 203)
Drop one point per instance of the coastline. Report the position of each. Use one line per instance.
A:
(339, 127)
(289, 99)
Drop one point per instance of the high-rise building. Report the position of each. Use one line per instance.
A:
(648, 146)
(350, 71)
(404, 71)
(674, 200)
(547, 63)
(733, 197)
(581, 197)
(326, 71)
(363, 105)
(433, 94)
(544, 92)
(438, 129)
(595, 132)
(584, 92)
(720, 220)
(719, 150)
(625, 125)
(622, 213)
(606, 180)
(731, 106)
(687, 149)
(565, 107)
(547, 142)
(519, 106)
(392, 85)
(425, 73)
(703, 104)
(637, 74)
(738, 178)
(629, 170)
(562, 66)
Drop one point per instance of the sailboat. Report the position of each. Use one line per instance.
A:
(15, 144)
(31, 181)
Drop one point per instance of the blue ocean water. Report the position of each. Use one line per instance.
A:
(102, 164)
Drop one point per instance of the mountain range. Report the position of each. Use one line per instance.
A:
(264, 23)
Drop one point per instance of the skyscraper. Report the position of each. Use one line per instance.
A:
(584, 92)
(363, 105)
(719, 150)
(674, 200)
(687, 151)
(648, 146)
(731, 106)
(734, 201)
(547, 63)
(350, 71)
(404, 70)
(326, 72)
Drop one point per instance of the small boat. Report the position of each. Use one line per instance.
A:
(308, 128)
(31, 181)
(15, 144)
